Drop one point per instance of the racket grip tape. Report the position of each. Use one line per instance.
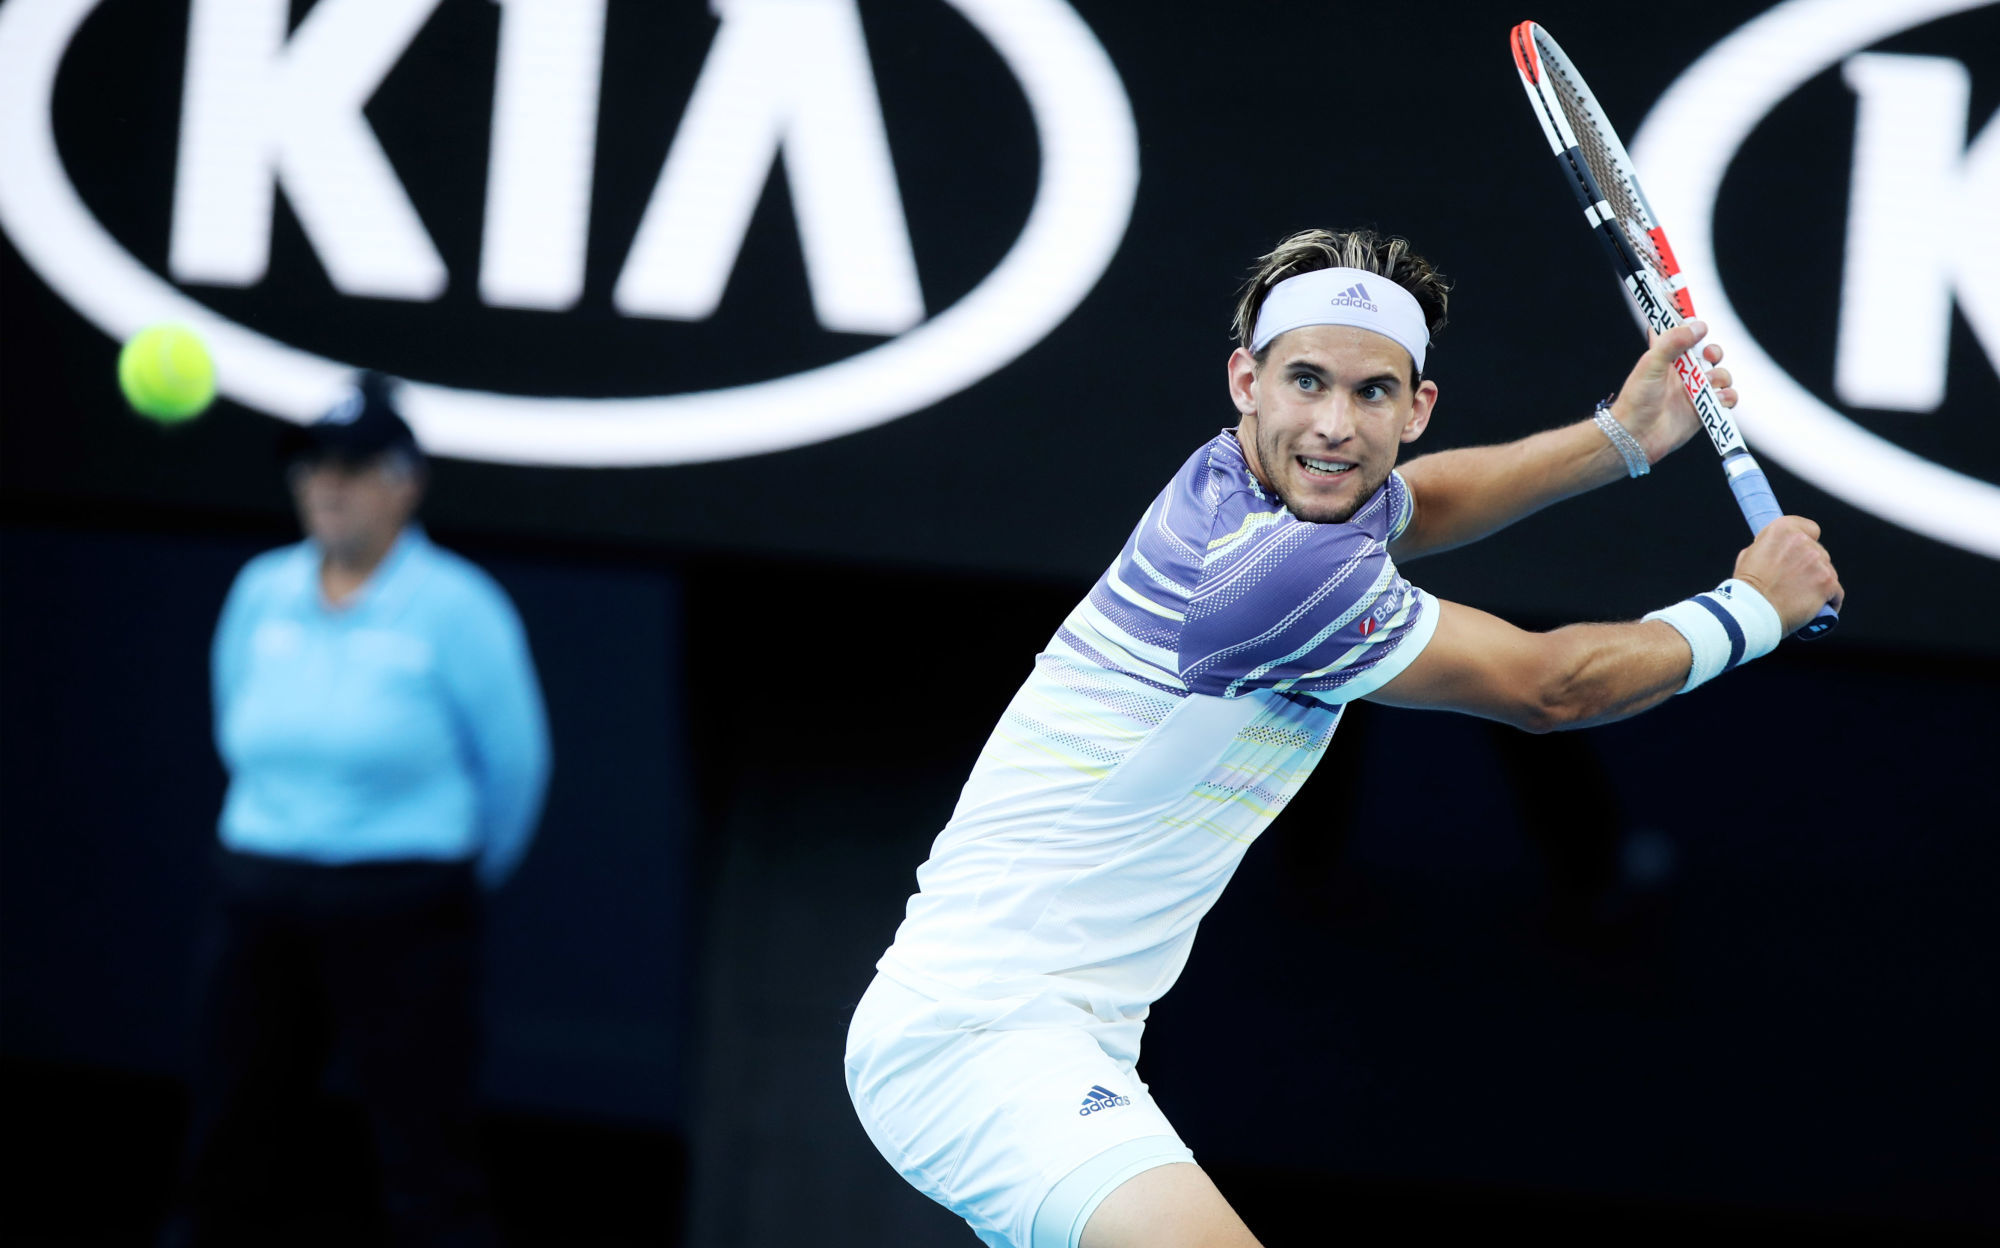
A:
(1760, 507)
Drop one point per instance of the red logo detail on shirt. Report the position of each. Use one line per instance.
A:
(1368, 626)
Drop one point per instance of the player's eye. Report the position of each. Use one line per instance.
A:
(1374, 393)
(1307, 381)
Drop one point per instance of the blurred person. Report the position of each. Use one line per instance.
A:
(993, 1061)
(378, 712)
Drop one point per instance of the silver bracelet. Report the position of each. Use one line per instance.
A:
(1627, 446)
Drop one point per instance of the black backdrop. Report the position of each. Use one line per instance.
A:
(1252, 122)
(1648, 979)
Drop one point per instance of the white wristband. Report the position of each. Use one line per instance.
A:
(1726, 627)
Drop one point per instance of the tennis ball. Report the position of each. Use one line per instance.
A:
(166, 374)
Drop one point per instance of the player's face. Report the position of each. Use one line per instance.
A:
(1325, 414)
(354, 510)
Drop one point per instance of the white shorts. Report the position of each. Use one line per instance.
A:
(1019, 1126)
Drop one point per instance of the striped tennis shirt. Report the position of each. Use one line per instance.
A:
(1171, 717)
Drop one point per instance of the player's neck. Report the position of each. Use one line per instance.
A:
(1246, 441)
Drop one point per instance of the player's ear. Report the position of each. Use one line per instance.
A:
(1420, 410)
(1243, 381)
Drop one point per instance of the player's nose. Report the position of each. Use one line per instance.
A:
(1334, 421)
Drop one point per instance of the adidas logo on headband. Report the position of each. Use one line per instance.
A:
(1355, 296)
(1319, 298)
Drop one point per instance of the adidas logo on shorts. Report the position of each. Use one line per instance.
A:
(1355, 296)
(1101, 1098)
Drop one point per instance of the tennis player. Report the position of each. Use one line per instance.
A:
(1183, 702)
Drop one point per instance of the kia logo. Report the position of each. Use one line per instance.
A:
(266, 106)
(1920, 240)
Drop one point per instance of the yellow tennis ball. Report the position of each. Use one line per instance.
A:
(166, 374)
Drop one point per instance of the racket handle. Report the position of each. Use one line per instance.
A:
(1760, 506)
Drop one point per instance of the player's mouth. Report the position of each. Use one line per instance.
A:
(1325, 469)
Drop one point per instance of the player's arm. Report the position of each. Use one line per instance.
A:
(1589, 674)
(1464, 495)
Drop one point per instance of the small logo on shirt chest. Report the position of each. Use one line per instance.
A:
(1383, 610)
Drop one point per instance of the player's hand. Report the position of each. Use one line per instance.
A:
(1654, 406)
(1792, 570)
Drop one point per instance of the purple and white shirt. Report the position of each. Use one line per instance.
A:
(1172, 716)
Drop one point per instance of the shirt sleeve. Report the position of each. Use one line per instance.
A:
(1292, 606)
(490, 675)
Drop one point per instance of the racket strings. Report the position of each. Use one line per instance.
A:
(1613, 181)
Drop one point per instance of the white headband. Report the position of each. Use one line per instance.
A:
(1344, 297)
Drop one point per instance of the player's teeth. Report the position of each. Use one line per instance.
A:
(1323, 466)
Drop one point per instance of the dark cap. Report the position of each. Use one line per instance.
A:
(362, 425)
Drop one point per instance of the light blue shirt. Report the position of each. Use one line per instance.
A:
(405, 722)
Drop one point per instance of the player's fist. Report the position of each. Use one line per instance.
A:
(1791, 569)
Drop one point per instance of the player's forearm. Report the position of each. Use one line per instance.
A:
(1595, 673)
(1464, 495)
(1603, 673)
(1572, 677)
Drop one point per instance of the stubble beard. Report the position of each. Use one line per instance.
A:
(1273, 455)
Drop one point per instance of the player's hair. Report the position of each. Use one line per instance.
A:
(1309, 250)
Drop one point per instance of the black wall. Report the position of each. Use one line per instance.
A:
(1408, 117)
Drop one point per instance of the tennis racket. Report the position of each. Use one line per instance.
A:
(1598, 169)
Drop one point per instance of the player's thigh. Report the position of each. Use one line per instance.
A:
(1174, 1206)
(1017, 1130)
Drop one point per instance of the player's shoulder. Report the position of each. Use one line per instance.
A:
(1178, 525)
(1399, 505)
(1218, 482)
(1218, 469)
